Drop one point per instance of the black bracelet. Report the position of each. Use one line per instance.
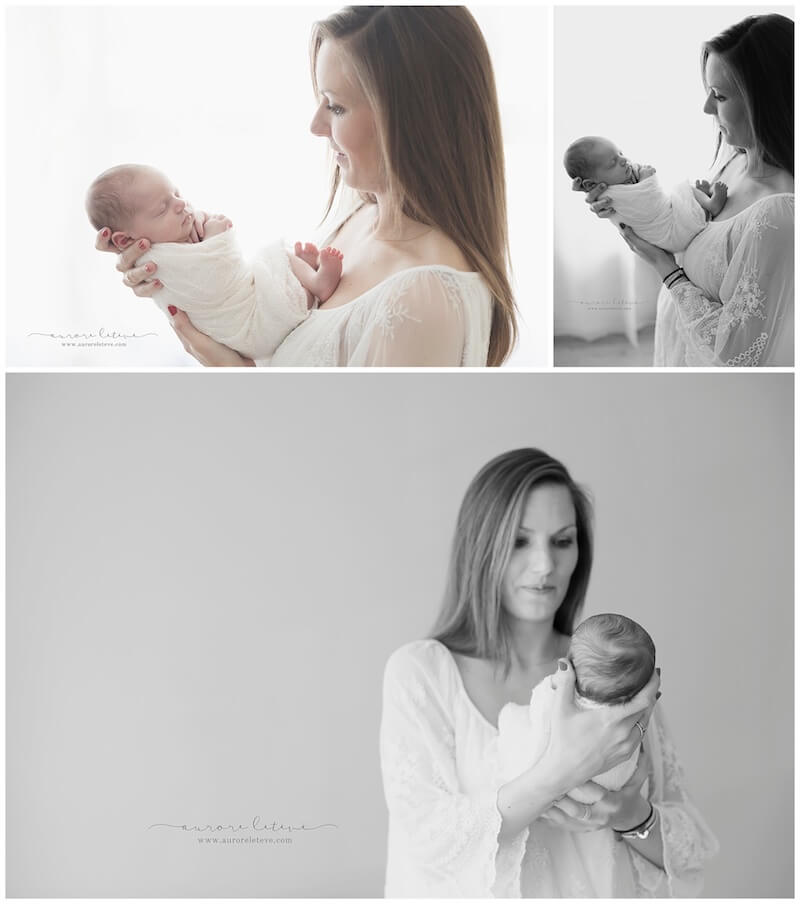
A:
(676, 270)
(677, 279)
(642, 825)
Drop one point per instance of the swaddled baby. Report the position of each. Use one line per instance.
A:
(669, 221)
(613, 658)
(250, 307)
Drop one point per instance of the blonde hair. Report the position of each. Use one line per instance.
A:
(427, 75)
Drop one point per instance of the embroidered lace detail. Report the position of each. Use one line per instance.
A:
(758, 224)
(392, 312)
(748, 299)
(751, 356)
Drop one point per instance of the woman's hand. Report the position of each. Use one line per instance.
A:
(591, 807)
(140, 279)
(663, 261)
(600, 206)
(585, 743)
(208, 352)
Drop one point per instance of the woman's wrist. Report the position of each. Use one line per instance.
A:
(630, 819)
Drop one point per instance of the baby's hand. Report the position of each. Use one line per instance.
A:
(703, 186)
(215, 224)
(645, 171)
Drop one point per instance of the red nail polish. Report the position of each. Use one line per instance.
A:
(172, 309)
(149, 268)
(105, 233)
(142, 245)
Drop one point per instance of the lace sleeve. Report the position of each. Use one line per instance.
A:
(442, 842)
(417, 322)
(687, 840)
(756, 294)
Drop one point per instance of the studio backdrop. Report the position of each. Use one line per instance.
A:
(207, 575)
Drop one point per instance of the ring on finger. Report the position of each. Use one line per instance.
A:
(587, 811)
(641, 728)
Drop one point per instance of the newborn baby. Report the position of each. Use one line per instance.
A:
(613, 658)
(249, 307)
(669, 221)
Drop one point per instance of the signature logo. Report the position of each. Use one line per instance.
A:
(255, 826)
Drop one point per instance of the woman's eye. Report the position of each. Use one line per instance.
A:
(564, 542)
(520, 542)
(336, 109)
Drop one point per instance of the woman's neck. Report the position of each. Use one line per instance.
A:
(755, 168)
(391, 225)
(534, 645)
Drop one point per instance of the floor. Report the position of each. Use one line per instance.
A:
(610, 351)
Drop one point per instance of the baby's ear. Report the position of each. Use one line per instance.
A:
(121, 240)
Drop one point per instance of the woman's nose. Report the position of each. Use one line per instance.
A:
(319, 124)
(540, 560)
(709, 106)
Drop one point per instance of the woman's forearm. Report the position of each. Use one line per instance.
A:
(523, 800)
(652, 847)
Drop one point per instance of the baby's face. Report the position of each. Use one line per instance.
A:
(162, 215)
(610, 164)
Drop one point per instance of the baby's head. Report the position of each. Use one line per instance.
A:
(593, 160)
(613, 658)
(137, 202)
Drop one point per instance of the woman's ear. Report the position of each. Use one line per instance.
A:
(121, 240)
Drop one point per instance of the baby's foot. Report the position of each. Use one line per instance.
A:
(703, 186)
(329, 273)
(718, 197)
(307, 253)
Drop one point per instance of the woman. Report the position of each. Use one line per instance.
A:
(731, 303)
(518, 576)
(406, 98)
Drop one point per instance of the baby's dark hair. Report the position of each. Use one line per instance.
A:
(613, 658)
(105, 202)
(578, 160)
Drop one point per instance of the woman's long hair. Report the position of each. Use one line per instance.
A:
(428, 78)
(472, 619)
(759, 55)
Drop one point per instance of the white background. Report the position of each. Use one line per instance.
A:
(631, 74)
(221, 100)
(207, 573)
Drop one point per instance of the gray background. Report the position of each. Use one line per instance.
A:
(207, 573)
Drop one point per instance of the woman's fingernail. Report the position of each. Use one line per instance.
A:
(105, 233)
(157, 283)
(172, 309)
(562, 665)
(142, 244)
(149, 267)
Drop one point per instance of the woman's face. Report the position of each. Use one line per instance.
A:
(345, 118)
(726, 104)
(544, 556)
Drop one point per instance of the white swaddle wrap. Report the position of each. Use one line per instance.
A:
(250, 306)
(524, 732)
(669, 221)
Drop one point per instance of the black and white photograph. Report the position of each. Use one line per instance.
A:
(286, 186)
(673, 186)
(425, 635)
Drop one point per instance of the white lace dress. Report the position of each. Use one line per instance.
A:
(738, 310)
(425, 316)
(440, 773)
